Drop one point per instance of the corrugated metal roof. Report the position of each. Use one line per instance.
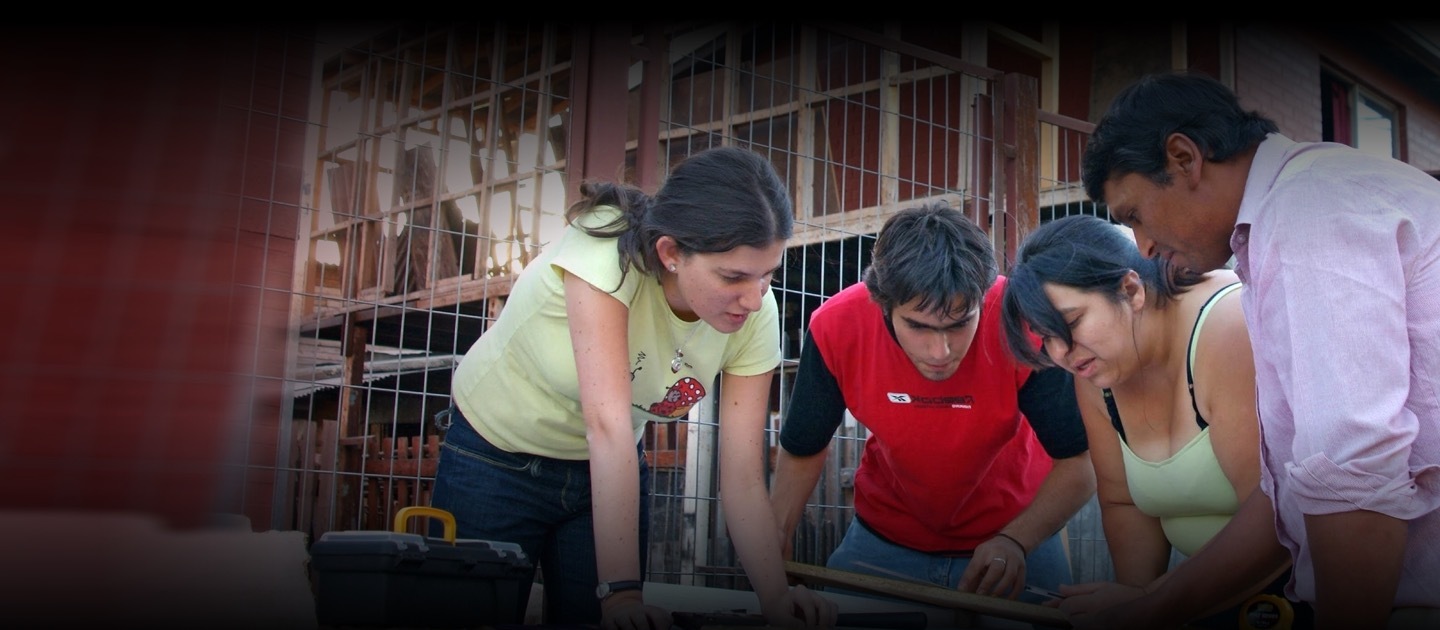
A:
(320, 365)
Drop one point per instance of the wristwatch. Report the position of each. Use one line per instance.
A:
(606, 589)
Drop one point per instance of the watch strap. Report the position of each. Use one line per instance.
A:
(607, 589)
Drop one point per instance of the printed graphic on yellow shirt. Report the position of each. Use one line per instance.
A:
(679, 398)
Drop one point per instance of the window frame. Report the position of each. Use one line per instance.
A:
(1358, 95)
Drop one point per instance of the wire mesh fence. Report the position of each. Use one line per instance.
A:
(439, 162)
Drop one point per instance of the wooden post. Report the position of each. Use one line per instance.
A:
(352, 423)
(323, 519)
(1021, 124)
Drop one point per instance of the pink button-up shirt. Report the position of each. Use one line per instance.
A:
(1340, 254)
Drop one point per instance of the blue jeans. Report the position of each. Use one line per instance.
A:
(539, 503)
(1046, 566)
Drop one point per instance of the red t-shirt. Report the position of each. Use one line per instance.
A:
(947, 463)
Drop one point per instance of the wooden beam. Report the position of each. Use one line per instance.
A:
(1022, 176)
(652, 85)
(605, 111)
(928, 594)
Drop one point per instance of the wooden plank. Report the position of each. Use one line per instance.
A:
(303, 463)
(933, 595)
(341, 178)
(374, 489)
(428, 239)
(323, 519)
(347, 488)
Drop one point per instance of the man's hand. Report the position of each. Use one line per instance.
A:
(997, 568)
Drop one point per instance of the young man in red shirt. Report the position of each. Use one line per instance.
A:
(973, 462)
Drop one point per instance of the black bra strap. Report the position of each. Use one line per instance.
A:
(1190, 352)
(1189, 371)
(1114, 414)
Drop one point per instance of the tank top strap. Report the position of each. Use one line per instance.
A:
(1195, 341)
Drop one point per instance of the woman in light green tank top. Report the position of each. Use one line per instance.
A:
(1165, 381)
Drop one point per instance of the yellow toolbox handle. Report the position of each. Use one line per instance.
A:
(407, 513)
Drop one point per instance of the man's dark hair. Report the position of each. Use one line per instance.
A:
(932, 252)
(1130, 138)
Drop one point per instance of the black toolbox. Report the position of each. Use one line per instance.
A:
(390, 579)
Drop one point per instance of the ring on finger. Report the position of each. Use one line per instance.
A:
(999, 559)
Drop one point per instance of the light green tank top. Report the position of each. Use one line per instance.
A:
(1187, 491)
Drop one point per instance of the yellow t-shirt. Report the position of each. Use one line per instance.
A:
(518, 385)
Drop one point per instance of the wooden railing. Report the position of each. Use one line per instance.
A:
(399, 472)
(333, 492)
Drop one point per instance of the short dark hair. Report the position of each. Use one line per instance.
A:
(932, 252)
(1083, 252)
(1130, 137)
(713, 201)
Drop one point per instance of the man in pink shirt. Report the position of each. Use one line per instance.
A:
(1340, 253)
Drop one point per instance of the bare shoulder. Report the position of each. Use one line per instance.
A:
(1223, 349)
(1225, 313)
(1090, 397)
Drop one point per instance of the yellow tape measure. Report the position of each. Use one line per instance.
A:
(1266, 612)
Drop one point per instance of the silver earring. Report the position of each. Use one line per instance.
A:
(672, 268)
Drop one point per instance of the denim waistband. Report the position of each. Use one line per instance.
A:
(949, 553)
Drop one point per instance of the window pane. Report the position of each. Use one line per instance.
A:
(1374, 127)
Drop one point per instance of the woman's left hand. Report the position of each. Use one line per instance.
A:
(1099, 605)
